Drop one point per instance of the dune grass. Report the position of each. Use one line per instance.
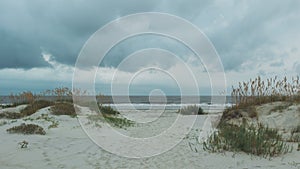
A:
(256, 140)
(109, 115)
(258, 91)
(260, 141)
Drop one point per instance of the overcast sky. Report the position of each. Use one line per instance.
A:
(41, 40)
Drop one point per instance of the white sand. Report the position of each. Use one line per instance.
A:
(69, 147)
(285, 120)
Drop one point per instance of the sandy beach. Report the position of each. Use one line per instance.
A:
(68, 146)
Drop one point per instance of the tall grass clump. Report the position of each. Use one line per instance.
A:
(191, 110)
(260, 141)
(258, 91)
(22, 98)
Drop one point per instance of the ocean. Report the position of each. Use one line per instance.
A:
(153, 102)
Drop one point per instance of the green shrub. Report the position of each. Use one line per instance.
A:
(191, 110)
(108, 110)
(118, 122)
(261, 141)
(27, 129)
(111, 119)
(63, 109)
(109, 115)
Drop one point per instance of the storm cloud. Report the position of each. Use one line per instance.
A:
(242, 31)
(28, 28)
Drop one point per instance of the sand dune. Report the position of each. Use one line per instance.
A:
(68, 146)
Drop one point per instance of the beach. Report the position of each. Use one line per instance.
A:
(68, 146)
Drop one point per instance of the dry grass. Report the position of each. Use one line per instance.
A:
(22, 98)
(255, 92)
(258, 91)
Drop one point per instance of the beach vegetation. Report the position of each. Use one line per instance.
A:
(111, 116)
(260, 141)
(27, 129)
(110, 119)
(295, 134)
(191, 110)
(10, 115)
(28, 110)
(35, 106)
(63, 108)
(257, 91)
(108, 110)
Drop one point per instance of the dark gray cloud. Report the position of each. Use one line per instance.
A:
(28, 28)
(240, 30)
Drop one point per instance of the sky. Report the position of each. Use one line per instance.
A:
(41, 41)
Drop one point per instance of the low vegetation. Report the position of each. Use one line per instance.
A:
(108, 110)
(27, 129)
(64, 108)
(249, 138)
(10, 115)
(295, 135)
(112, 120)
(28, 110)
(35, 106)
(109, 115)
(260, 141)
(45, 117)
(191, 110)
(245, 112)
